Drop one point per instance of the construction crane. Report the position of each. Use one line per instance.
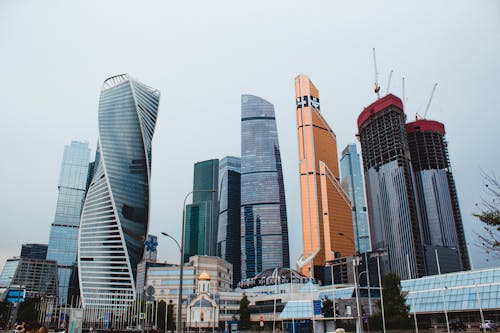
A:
(430, 100)
(404, 101)
(389, 82)
(377, 87)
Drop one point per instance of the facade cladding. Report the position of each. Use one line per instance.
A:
(264, 229)
(228, 235)
(63, 239)
(352, 183)
(34, 251)
(392, 207)
(438, 200)
(115, 214)
(37, 276)
(201, 216)
(326, 209)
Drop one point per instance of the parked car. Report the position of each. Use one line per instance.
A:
(488, 325)
(457, 325)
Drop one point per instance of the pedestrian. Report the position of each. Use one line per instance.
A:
(91, 329)
(31, 327)
(43, 329)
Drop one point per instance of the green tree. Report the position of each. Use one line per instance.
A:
(244, 313)
(27, 310)
(161, 316)
(395, 308)
(5, 307)
(490, 215)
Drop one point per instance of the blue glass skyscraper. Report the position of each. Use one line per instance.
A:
(63, 239)
(264, 230)
(229, 234)
(352, 183)
(115, 214)
(202, 215)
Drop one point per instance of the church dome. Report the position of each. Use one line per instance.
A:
(204, 276)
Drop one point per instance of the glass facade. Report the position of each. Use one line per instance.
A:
(464, 291)
(63, 239)
(37, 276)
(263, 207)
(34, 251)
(327, 224)
(202, 215)
(115, 215)
(394, 220)
(228, 235)
(437, 197)
(352, 183)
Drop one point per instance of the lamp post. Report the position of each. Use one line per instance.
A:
(181, 249)
(355, 263)
(378, 253)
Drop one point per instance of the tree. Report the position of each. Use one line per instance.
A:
(27, 310)
(490, 215)
(5, 307)
(395, 308)
(161, 316)
(244, 313)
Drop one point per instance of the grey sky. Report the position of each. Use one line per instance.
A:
(202, 55)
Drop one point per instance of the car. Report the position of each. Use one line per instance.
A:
(457, 325)
(488, 325)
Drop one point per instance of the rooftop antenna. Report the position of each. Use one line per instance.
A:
(389, 83)
(377, 87)
(430, 100)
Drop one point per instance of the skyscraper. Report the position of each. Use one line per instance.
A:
(326, 209)
(200, 237)
(115, 214)
(34, 251)
(63, 239)
(438, 200)
(392, 208)
(229, 234)
(352, 183)
(264, 230)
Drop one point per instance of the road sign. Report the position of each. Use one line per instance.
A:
(142, 315)
(317, 307)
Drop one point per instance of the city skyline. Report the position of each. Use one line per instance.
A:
(343, 69)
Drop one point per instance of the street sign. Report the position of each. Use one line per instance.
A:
(150, 290)
(142, 315)
(317, 307)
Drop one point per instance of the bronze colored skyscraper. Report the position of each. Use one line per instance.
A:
(326, 208)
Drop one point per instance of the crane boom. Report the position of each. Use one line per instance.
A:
(377, 87)
(430, 100)
(389, 82)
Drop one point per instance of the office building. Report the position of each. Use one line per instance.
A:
(264, 230)
(229, 234)
(437, 197)
(165, 279)
(200, 237)
(326, 209)
(38, 277)
(115, 216)
(63, 239)
(392, 208)
(352, 183)
(34, 251)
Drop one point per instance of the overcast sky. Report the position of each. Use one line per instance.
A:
(202, 55)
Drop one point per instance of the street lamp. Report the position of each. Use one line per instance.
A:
(355, 264)
(378, 253)
(181, 250)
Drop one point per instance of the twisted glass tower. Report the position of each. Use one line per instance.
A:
(115, 214)
(264, 231)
